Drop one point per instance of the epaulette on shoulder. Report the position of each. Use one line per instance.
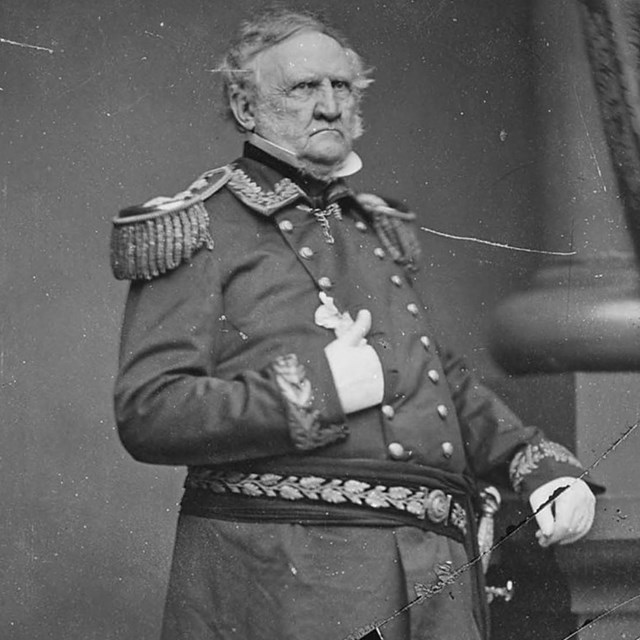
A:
(394, 229)
(148, 240)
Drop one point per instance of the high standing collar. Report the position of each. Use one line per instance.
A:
(266, 183)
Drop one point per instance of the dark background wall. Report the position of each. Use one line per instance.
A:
(125, 106)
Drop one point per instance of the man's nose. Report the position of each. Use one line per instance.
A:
(326, 104)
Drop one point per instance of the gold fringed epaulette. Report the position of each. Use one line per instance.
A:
(151, 239)
(393, 229)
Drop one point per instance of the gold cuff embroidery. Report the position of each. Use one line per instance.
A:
(527, 460)
(305, 427)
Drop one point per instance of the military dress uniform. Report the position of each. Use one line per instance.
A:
(299, 522)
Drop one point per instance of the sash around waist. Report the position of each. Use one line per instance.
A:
(338, 492)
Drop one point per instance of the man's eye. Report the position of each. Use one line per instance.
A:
(341, 85)
(303, 87)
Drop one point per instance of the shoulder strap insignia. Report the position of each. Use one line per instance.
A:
(148, 240)
(394, 229)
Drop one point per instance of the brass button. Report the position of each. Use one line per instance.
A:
(426, 343)
(442, 410)
(306, 252)
(412, 308)
(379, 253)
(325, 283)
(434, 376)
(447, 449)
(396, 451)
(286, 225)
(388, 411)
(361, 226)
(397, 280)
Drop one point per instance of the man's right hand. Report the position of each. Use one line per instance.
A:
(355, 366)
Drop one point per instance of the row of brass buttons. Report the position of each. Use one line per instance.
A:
(396, 450)
(307, 253)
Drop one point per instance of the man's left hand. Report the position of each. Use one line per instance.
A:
(569, 516)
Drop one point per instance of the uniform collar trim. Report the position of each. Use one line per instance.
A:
(264, 201)
(267, 184)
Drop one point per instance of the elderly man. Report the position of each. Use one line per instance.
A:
(273, 343)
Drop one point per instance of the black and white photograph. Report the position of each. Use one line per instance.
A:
(320, 320)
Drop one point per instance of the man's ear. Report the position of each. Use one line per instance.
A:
(242, 108)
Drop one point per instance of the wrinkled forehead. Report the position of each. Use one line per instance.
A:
(304, 56)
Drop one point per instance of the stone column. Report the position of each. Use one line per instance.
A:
(576, 330)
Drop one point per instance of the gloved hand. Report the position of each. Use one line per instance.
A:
(569, 516)
(355, 366)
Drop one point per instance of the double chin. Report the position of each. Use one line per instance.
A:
(326, 148)
(320, 170)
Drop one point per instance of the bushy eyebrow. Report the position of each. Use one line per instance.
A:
(316, 79)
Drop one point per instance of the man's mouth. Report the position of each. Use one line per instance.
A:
(327, 130)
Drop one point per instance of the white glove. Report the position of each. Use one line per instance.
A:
(569, 516)
(355, 366)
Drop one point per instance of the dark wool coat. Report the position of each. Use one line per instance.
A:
(223, 367)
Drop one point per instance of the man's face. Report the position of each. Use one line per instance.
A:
(305, 100)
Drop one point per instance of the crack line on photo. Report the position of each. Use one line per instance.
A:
(26, 46)
(499, 245)
(438, 585)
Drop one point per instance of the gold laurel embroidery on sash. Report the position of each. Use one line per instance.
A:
(459, 517)
(424, 503)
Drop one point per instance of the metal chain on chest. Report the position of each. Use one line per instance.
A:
(322, 216)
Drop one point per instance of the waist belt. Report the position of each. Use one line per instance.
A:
(307, 499)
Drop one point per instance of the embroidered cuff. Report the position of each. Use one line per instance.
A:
(528, 460)
(306, 429)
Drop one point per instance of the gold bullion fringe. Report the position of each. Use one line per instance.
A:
(394, 229)
(146, 247)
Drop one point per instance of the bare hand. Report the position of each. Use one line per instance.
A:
(574, 509)
(355, 366)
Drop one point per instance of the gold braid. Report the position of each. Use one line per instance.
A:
(394, 229)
